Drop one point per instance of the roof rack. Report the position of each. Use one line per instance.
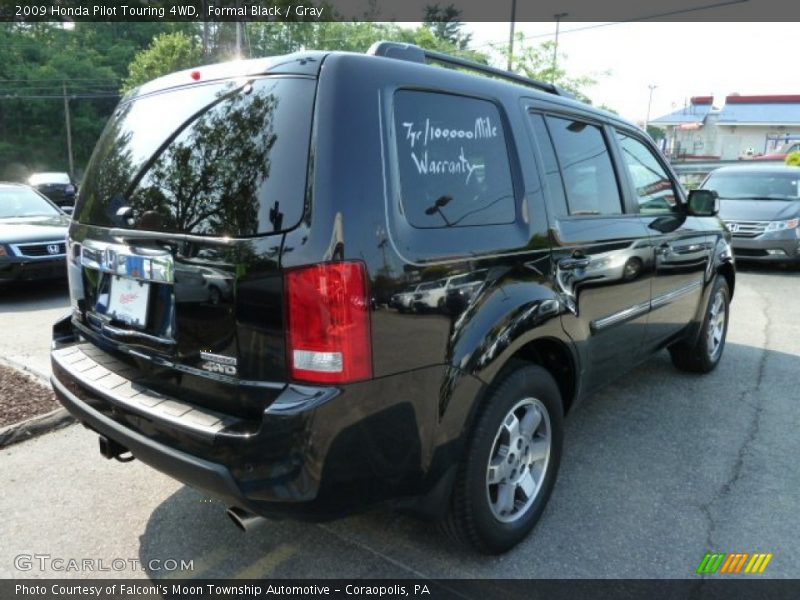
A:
(414, 53)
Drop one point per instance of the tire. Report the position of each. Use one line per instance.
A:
(476, 514)
(705, 354)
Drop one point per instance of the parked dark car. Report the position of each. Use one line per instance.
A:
(343, 173)
(33, 234)
(760, 204)
(59, 187)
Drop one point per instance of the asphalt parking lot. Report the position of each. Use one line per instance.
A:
(659, 468)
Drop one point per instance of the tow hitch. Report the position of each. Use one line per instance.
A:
(111, 449)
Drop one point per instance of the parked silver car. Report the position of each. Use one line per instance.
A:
(760, 205)
(33, 234)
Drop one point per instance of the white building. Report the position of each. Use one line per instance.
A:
(745, 126)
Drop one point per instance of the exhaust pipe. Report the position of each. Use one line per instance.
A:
(244, 521)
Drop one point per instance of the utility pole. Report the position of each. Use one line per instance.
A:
(238, 39)
(238, 35)
(511, 33)
(205, 33)
(558, 18)
(69, 129)
(649, 102)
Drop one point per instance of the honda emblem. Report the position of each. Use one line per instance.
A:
(53, 249)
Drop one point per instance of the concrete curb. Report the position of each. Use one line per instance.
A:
(35, 426)
(42, 377)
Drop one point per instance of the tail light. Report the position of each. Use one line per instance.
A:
(328, 323)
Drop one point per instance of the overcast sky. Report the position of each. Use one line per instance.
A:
(682, 59)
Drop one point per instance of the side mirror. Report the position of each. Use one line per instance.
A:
(703, 203)
(68, 209)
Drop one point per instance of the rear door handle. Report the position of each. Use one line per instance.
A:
(569, 264)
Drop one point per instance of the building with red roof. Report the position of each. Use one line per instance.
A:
(745, 127)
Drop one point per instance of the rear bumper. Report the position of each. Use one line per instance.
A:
(201, 474)
(318, 453)
(29, 269)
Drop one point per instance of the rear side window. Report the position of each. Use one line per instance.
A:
(453, 161)
(224, 159)
(586, 168)
(551, 171)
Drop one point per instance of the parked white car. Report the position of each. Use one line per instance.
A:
(404, 301)
(433, 297)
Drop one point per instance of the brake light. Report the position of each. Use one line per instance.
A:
(328, 323)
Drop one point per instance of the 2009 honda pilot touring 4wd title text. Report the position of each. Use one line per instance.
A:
(242, 230)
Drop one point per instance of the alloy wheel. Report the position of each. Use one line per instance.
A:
(716, 324)
(518, 460)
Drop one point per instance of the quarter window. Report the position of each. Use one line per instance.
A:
(653, 186)
(453, 161)
(586, 167)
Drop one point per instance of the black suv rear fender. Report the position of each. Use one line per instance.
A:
(317, 452)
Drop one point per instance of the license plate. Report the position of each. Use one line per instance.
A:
(128, 300)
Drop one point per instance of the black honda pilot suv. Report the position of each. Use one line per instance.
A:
(243, 229)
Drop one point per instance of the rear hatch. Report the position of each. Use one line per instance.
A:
(175, 244)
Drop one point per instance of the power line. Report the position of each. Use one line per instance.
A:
(58, 80)
(636, 20)
(56, 97)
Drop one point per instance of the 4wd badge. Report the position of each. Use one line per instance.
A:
(216, 363)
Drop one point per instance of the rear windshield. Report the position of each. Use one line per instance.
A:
(222, 159)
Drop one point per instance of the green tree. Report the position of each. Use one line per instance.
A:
(275, 38)
(168, 53)
(536, 62)
(655, 132)
(445, 23)
(793, 159)
(38, 63)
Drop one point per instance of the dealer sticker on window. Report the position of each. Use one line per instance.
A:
(128, 301)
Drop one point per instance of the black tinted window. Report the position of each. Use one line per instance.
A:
(208, 160)
(453, 161)
(653, 187)
(551, 171)
(586, 167)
